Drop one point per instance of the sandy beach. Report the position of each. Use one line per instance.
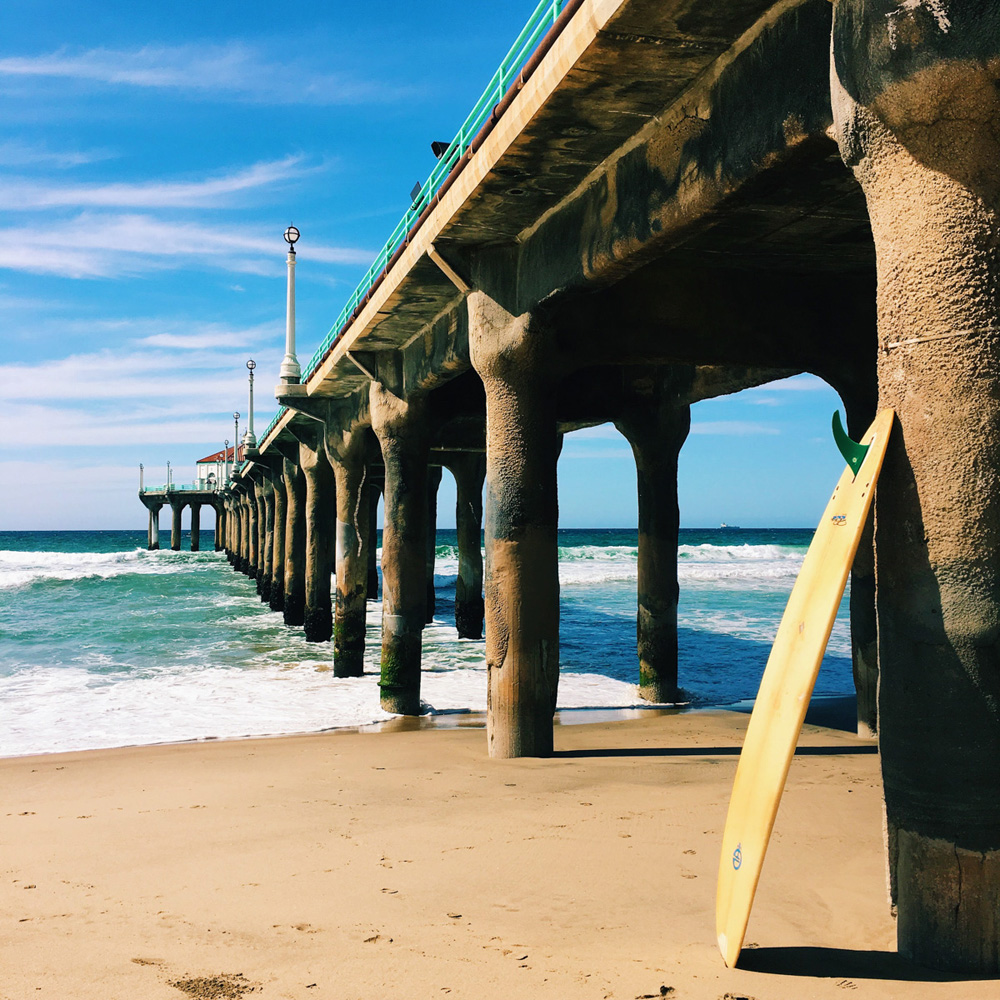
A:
(407, 864)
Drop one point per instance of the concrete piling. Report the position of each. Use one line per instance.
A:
(513, 355)
(195, 527)
(469, 470)
(433, 484)
(267, 552)
(348, 458)
(656, 425)
(277, 590)
(915, 117)
(401, 427)
(295, 543)
(374, 493)
(320, 506)
(176, 509)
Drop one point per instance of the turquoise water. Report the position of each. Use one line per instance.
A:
(105, 644)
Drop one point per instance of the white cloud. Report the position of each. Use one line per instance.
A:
(20, 154)
(217, 71)
(732, 428)
(20, 194)
(112, 245)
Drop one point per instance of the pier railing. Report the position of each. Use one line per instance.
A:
(181, 487)
(511, 73)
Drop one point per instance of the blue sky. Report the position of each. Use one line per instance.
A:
(150, 158)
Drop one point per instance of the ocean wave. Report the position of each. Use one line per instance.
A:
(21, 569)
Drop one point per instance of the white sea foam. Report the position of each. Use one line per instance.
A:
(21, 569)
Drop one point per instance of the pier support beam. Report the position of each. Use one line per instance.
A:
(295, 543)
(433, 484)
(154, 526)
(469, 470)
(915, 108)
(261, 560)
(374, 492)
(253, 531)
(266, 488)
(320, 507)
(220, 525)
(176, 509)
(402, 430)
(656, 423)
(195, 527)
(514, 357)
(347, 453)
(277, 593)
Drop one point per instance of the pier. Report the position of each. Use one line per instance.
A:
(652, 205)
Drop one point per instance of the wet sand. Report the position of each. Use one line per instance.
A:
(406, 864)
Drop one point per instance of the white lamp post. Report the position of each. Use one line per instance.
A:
(225, 462)
(236, 440)
(290, 371)
(249, 439)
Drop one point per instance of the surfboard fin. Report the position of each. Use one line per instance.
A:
(854, 453)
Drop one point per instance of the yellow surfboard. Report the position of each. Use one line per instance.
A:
(787, 685)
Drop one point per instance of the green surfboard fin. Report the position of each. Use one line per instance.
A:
(854, 453)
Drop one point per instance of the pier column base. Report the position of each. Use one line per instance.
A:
(154, 526)
(401, 428)
(176, 509)
(320, 514)
(220, 526)
(514, 357)
(469, 470)
(247, 530)
(277, 594)
(656, 425)
(347, 455)
(295, 543)
(253, 527)
(266, 571)
(915, 109)
(374, 492)
(433, 484)
(195, 527)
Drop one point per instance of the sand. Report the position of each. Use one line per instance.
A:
(406, 864)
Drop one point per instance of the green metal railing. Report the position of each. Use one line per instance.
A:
(541, 20)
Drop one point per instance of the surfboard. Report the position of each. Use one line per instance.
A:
(788, 680)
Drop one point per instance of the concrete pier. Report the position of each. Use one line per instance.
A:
(176, 509)
(220, 525)
(656, 421)
(277, 590)
(253, 526)
(195, 526)
(469, 470)
(347, 452)
(514, 357)
(266, 573)
(374, 493)
(320, 521)
(260, 495)
(433, 484)
(154, 507)
(915, 115)
(295, 541)
(402, 430)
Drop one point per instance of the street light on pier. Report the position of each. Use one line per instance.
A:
(225, 462)
(249, 440)
(168, 475)
(290, 372)
(142, 488)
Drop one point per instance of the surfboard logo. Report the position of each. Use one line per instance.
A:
(738, 857)
(839, 519)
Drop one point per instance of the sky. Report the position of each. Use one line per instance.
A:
(151, 156)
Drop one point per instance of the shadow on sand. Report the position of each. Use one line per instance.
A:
(834, 751)
(843, 963)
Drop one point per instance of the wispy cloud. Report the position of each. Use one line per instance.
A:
(732, 428)
(22, 154)
(213, 192)
(110, 245)
(218, 71)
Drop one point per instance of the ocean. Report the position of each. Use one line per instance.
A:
(104, 644)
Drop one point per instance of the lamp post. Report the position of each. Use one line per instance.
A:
(168, 476)
(236, 440)
(249, 439)
(142, 488)
(290, 371)
(225, 462)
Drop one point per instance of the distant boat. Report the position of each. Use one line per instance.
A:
(729, 527)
